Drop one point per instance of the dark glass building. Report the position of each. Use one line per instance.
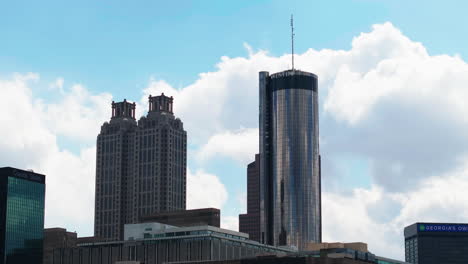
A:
(290, 199)
(435, 243)
(22, 197)
(250, 222)
(140, 167)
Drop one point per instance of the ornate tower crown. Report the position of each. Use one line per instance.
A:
(123, 109)
(161, 103)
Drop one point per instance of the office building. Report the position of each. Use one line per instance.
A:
(431, 243)
(22, 197)
(181, 218)
(290, 198)
(154, 243)
(250, 222)
(140, 167)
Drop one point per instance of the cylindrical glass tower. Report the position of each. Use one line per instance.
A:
(289, 149)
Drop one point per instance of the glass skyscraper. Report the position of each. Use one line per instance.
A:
(290, 199)
(22, 196)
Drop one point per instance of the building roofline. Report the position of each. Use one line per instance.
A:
(22, 174)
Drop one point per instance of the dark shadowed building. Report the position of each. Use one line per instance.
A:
(194, 217)
(250, 222)
(140, 167)
(22, 197)
(290, 198)
(435, 243)
(57, 238)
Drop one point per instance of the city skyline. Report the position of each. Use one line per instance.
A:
(380, 171)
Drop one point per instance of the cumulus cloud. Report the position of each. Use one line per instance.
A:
(205, 190)
(220, 101)
(230, 222)
(231, 144)
(30, 142)
(378, 217)
(79, 114)
(58, 85)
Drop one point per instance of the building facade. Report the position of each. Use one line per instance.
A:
(290, 181)
(250, 222)
(140, 167)
(324, 256)
(22, 197)
(166, 245)
(431, 243)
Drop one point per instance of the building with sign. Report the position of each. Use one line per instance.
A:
(22, 197)
(290, 198)
(435, 243)
(140, 167)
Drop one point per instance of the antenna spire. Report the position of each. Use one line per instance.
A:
(292, 41)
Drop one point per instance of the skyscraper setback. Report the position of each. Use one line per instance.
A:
(140, 167)
(250, 222)
(290, 199)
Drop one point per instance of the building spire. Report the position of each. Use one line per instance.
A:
(292, 41)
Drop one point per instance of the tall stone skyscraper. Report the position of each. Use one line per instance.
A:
(290, 192)
(140, 167)
(250, 222)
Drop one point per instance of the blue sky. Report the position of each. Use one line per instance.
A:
(198, 51)
(115, 45)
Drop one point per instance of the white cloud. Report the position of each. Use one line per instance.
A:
(79, 114)
(25, 139)
(346, 219)
(219, 101)
(237, 145)
(230, 222)
(70, 183)
(378, 217)
(58, 85)
(29, 141)
(242, 200)
(205, 190)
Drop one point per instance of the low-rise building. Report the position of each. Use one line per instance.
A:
(147, 244)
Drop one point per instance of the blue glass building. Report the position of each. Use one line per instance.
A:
(290, 199)
(22, 195)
